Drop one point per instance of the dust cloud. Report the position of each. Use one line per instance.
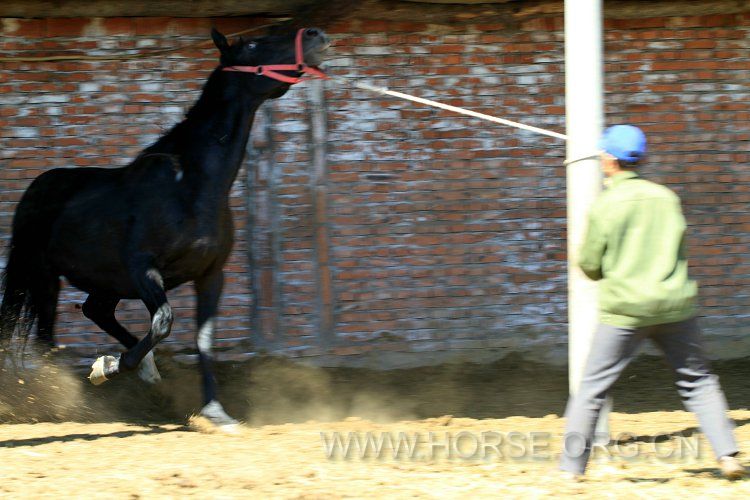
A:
(39, 387)
(282, 391)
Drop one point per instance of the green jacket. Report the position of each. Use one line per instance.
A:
(635, 248)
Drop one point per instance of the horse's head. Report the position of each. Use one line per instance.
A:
(272, 51)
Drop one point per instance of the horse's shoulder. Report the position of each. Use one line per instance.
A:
(153, 165)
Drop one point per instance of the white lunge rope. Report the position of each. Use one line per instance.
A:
(455, 109)
(463, 111)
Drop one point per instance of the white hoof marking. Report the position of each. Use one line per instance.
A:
(100, 367)
(232, 429)
(147, 370)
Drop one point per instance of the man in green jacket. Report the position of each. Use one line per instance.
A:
(635, 248)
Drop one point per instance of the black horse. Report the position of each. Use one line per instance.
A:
(138, 231)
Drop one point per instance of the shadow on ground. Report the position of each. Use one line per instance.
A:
(67, 438)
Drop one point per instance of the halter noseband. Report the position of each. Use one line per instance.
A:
(271, 70)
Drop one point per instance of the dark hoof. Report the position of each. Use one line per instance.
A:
(216, 415)
(104, 368)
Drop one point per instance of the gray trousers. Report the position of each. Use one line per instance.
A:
(612, 349)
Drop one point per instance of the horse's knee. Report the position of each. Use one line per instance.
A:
(161, 324)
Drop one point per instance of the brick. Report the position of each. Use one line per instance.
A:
(118, 25)
(65, 27)
(26, 28)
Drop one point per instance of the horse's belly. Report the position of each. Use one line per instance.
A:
(95, 256)
(111, 276)
(89, 270)
(102, 286)
(199, 259)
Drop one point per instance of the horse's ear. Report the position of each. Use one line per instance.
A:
(219, 40)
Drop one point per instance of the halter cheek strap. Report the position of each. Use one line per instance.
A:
(272, 70)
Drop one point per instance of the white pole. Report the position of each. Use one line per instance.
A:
(584, 120)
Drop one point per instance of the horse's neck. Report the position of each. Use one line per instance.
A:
(212, 141)
(218, 162)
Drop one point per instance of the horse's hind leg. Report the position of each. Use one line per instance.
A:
(101, 310)
(150, 287)
(44, 295)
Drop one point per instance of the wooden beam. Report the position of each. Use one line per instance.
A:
(463, 2)
(263, 236)
(638, 9)
(319, 187)
(396, 9)
(147, 8)
(666, 8)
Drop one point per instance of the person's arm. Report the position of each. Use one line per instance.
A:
(592, 250)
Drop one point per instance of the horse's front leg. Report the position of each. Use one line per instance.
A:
(208, 290)
(150, 287)
(100, 309)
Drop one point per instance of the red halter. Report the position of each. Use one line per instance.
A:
(271, 70)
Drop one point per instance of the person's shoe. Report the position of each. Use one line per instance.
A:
(731, 468)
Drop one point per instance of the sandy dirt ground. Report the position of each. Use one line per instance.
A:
(122, 442)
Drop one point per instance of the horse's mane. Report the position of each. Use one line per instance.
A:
(179, 135)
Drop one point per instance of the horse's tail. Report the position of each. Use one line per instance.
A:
(16, 310)
(16, 306)
(31, 233)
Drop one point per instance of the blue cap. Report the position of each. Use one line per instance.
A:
(624, 142)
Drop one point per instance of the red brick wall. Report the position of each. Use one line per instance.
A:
(443, 233)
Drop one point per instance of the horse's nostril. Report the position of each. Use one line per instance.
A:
(313, 32)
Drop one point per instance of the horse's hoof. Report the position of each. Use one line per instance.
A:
(203, 425)
(103, 368)
(147, 370)
(216, 415)
(230, 428)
